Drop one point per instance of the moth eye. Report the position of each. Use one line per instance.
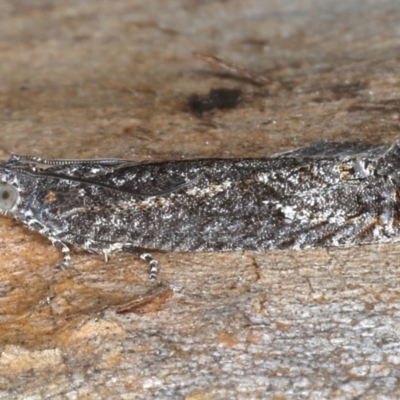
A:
(8, 197)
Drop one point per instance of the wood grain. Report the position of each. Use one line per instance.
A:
(112, 79)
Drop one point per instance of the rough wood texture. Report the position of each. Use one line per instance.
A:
(111, 78)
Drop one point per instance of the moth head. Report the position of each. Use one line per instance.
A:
(8, 197)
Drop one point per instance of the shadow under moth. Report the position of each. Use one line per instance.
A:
(326, 194)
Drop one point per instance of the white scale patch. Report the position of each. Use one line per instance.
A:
(263, 177)
(289, 212)
(210, 190)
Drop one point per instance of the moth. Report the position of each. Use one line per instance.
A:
(325, 194)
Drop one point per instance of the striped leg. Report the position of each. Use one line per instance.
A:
(38, 227)
(65, 252)
(153, 264)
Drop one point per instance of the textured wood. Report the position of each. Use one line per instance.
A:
(112, 79)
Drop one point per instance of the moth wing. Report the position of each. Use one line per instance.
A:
(342, 151)
(141, 179)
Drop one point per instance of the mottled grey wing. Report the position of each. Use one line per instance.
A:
(336, 150)
(140, 179)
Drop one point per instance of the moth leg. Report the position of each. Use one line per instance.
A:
(153, 264)
(39, 227)
(65, 252)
